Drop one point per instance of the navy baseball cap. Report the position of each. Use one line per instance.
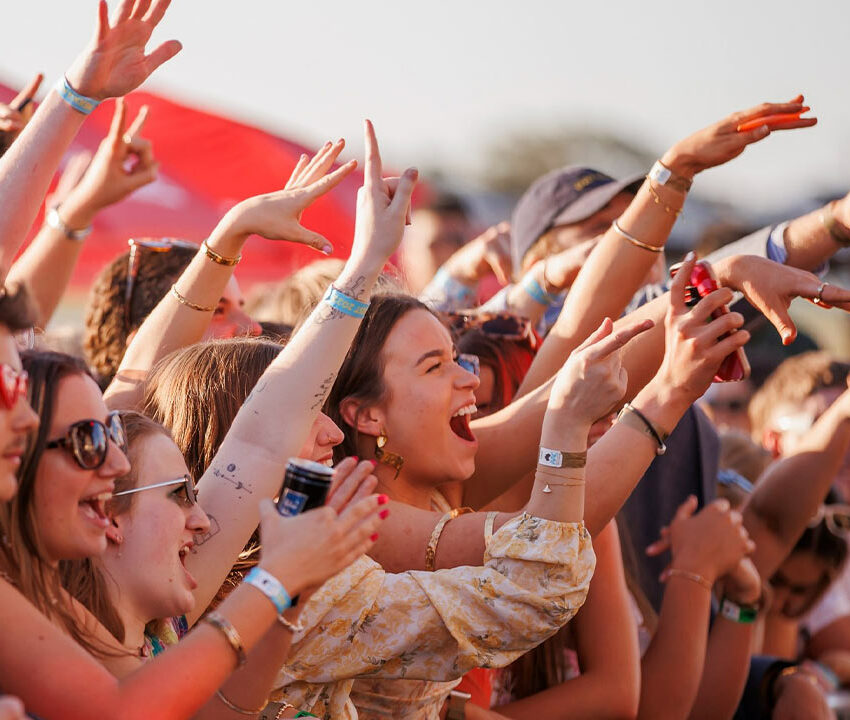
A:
(562, 197)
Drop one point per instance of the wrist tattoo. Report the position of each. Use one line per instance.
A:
(321, 395)
(355, 289)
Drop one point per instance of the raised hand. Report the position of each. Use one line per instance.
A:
(351, 482)
(382, 209)
(561, 269)
(489, 253)
(15, 116)
(277, 215)
(593, 380)
(695, 345)
(115, 63)
(721, 142)
(770, 287)
(710, 543)
(304, 551)
(123, 163)
(11, 708)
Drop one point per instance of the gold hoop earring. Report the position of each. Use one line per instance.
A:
(386, 457)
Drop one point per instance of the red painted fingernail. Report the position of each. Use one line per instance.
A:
(373, 537)
(384, 514)
(383, 499)
(356, 459)
(374, 463)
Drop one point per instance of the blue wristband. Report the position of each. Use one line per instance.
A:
(537, 293)
(271, 587)
(453, 289)
(345, 304)
(80, 103)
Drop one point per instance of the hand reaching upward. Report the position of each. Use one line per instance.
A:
(115, 63)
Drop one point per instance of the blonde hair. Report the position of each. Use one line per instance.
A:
(291, 299)
(796, 379)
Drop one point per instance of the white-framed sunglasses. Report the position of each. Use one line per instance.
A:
(185, 480)
(836, 516)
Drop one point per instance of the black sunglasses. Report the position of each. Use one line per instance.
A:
(500, 326)
(88, 440)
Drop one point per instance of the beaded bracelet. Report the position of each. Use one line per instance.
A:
(80, 103)
(225, 627)
(344, 303)
(271, 587)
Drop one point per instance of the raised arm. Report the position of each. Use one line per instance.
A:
(705, 547)
(174, 324)
(790, 491)
(113, 64)
(274, 421)
(617, 267)
(607, 648)
(167, 686)
(48, 262)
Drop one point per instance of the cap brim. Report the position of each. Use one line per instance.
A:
(594, 200)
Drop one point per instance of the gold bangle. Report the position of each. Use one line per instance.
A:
(188, 303)
(220, 259)
(225, 627)
(292, 627)
(233, 706)
(693, 577)
(488, 525)
(658, 201)
(431, 550)
(634, 241)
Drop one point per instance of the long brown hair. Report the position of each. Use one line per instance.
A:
(196, 393)
(85, 579)
(22, 551)
(361, 376)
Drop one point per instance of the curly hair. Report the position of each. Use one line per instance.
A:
(106, 324)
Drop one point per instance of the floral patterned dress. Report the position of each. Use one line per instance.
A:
(435, 626)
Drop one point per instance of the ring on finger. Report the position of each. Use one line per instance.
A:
(128, 139)
(818, 299)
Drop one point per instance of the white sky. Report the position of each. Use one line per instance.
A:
(439, 78)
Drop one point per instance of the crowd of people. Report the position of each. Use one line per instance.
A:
(544, 503)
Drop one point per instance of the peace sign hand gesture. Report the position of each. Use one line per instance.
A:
(115, 63)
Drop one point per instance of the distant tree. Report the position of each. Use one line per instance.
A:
(513, 162)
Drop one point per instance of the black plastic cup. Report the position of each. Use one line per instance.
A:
(305, 486)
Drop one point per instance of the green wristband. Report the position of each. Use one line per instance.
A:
(744, 614)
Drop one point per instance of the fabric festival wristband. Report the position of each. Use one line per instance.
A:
(536, 292)
(271, 587)
(345, 304)
(453, 289)
(80, 103)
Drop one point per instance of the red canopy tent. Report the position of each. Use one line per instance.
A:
(207, 164)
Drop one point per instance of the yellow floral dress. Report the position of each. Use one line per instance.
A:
(368, 623)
